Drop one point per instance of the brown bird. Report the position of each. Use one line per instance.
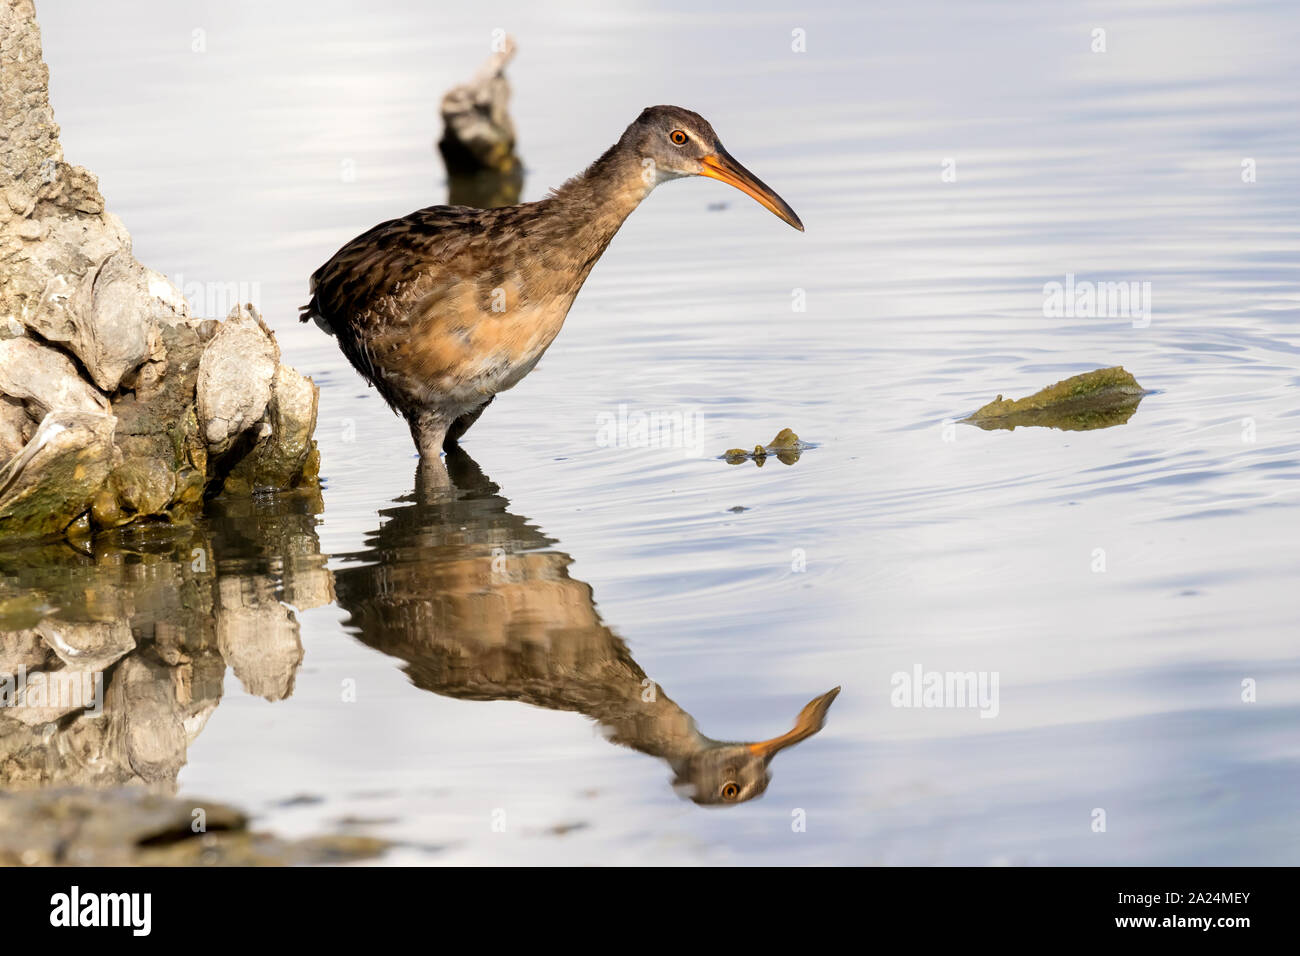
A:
(445, 307)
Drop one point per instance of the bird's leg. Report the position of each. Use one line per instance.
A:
(428, 428)
(461, 425)
(433, 483)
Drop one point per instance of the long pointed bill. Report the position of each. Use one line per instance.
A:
(810, 720)
(724, 168)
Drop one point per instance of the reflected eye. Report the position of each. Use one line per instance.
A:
(730, 792)
(678, 137)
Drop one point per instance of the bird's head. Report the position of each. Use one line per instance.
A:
(722, 774)
(672, 142)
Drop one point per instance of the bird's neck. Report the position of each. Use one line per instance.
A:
(642, 717)
(588, 210)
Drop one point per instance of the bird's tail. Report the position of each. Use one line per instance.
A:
(312, 311)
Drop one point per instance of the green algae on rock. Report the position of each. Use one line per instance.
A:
(1097, 399)
(786, 447)
(48, 483)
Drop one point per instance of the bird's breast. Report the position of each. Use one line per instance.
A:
(468, 340)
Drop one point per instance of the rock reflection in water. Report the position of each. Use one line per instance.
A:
(480, 606)
(150, 618)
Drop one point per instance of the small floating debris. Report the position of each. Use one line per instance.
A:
(564, 829)
(1097, 399)
(786, 447)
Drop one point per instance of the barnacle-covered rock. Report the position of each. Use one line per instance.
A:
(86, 330)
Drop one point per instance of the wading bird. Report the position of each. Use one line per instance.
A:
(442, 309)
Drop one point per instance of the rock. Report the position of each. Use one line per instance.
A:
(309, 587)
(286, 524)
(144, 486)
(258, 637)
(91, 646)
(16, 427)
(1097, 399)
(49, 692)
(47, 696)
(109, 319)
(45, 379)
(65, 826)
(235, 376)
(22, 651)
(283, 456)
(52, 481)
(156, 740)
(131, 826)
(158, 426)
(478, 134)
(31, 142)
(142, 607)
(60, 234)
(85, 328)
(786, 447)
(120, 331)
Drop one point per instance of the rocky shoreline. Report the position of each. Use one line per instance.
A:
(116, 405)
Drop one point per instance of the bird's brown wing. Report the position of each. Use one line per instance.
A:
(370, 292)
(371, 266)
(441, 305)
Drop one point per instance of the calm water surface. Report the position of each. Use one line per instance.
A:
(1122, 583)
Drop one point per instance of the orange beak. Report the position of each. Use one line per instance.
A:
(724, 168)
(810, 720)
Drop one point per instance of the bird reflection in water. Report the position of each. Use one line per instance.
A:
(480, 606)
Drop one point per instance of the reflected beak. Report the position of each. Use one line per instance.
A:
(810, 720)
(724, 168)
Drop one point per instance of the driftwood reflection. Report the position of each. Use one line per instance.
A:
(479, 605)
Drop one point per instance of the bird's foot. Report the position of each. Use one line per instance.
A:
(429, 429)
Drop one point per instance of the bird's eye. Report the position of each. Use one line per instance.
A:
(730, 791)
(678, 137)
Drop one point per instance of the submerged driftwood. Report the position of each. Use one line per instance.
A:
(786, 447)
(115, 404)
(1098, 399)
(478, 138)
